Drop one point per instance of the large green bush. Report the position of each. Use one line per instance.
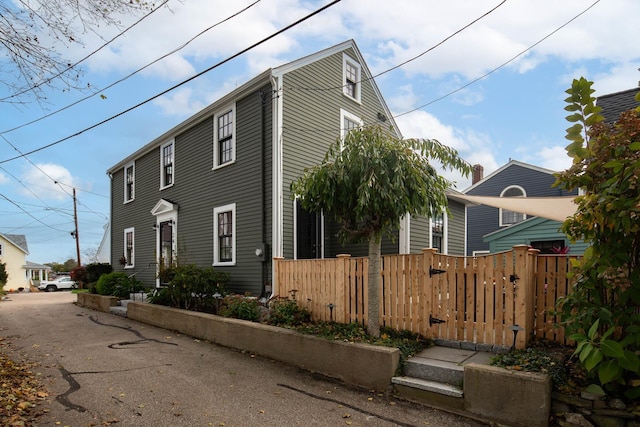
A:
(195, 288)
(602, 314)
(118, 284)
(95, 270)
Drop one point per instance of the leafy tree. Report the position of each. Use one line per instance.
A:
(602, 313)
(4, 276)
(368, 182)
(33, 33)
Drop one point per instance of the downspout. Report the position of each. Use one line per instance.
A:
(276, 184)
(263, 194)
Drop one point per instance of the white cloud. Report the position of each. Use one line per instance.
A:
(554, 158)
(48, 181)
(474, 147)
(3, 179)
(179, 103)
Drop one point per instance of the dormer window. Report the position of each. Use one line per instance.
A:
(508, 217)
(351, 78)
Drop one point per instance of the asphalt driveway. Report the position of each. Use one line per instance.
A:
(101, 369)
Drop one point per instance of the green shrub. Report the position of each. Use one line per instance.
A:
(95, 270)
(195, 288)
(118, 284)
(240, 307)
(160, 296)
(286, 312)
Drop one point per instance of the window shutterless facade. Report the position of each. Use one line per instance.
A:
(129, 247)
(129, 182)
(224, 239)
(167, 167)
(351, 72)
(224, 146)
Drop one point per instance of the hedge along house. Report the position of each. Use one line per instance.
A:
(215, 189)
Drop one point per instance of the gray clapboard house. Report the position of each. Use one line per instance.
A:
(215, 189)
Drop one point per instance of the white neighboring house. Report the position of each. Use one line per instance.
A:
(104, 250)
(13, 253)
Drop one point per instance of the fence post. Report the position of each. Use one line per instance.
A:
(523, 295)
(341, 311)
(275, 286)
(427, 294)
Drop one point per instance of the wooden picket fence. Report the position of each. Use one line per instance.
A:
(481, 299)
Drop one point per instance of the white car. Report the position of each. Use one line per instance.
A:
(63, 282)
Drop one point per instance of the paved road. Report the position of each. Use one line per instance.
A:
(102, 369)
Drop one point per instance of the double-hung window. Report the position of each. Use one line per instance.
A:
(351, 72)
(167, 164)
(224, 239)
(0, 249)
(348, 122)
(129, 182)
(437, 233)
(224, 145)
(129, 248)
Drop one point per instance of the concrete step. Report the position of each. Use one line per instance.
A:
(120, 310)
(435, 370)
(430, 386)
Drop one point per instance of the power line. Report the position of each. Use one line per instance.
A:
(71, 67)
(164, 92)
(450, 36)
(133, 73)
(453, 91)
(501, 65)
(29, 214)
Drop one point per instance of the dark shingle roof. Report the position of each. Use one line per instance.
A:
(20, 240)
(614, 104)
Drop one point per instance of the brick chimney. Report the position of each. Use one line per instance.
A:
(478, 173)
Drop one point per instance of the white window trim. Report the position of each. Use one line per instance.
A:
(445, 233)
(346, 58)
(216, 150)
(524, 194)
(130, 262)
(133, 197)
(344, 114)
(480, 253)
(162, 183)
(216, 244)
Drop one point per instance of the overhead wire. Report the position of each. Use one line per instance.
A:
(30, 215)
(109, 86)
(501, 65)
(72, 66)
(164, 92)
(459, 88)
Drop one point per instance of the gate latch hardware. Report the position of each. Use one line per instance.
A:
(434, 271)
(435, 320)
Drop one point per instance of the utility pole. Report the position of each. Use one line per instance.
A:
(75, 232)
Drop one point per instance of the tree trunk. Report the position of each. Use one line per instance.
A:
(373, 290)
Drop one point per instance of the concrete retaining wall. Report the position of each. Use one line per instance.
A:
(358, 364)
(518, 399)
(96, 302)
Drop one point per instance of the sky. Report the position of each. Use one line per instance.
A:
(493, 90)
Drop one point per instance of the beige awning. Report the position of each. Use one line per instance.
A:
(556, 208)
